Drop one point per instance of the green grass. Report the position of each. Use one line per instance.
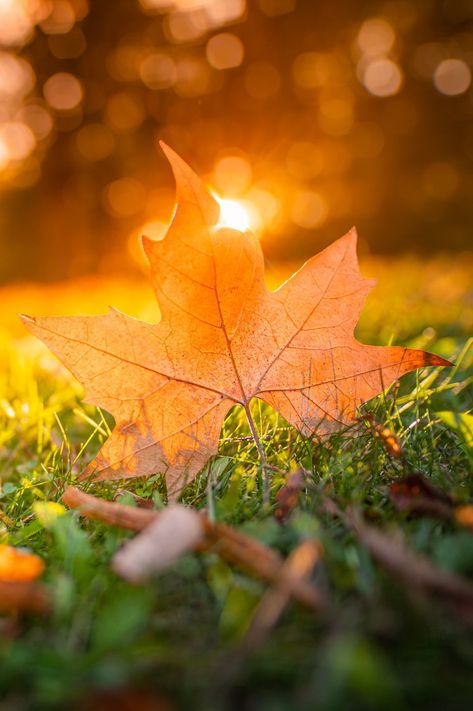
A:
(378, 647)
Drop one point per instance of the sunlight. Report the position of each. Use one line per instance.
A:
(234, 215)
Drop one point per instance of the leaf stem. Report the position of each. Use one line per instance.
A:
(264, 462)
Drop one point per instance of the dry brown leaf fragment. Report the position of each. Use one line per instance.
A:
(464, 516)
(24, 596)
(388, 438)
(287, 497)
(223, 339)
(415, 494)
(175, 532)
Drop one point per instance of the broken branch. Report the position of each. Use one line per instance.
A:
(257, 559)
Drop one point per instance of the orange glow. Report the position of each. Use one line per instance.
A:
(299, 130)
(124, 112)
(124, 197)
(18, 566)
(232, 175)
(262, 80)
(95, 141)
(309, 209)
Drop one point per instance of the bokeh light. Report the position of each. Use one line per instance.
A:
(63, 91)
(308, 209)
(312, 118)
(158, 71)
(16, 76)
(232, 175)
(17, 20)
(452, 77)
(61, 18)
(225, 51)
(37, 118)
(382, 77)
(376, 37)
(124, 197)
(17, 140)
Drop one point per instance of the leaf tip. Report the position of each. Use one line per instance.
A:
(432, 359)
(174, 158)
(349, 241)
(147, 243)
(189, 187)
(27, 320)
(352, 233)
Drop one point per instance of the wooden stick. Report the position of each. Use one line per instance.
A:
(415, 570)
(133, 519)
(257, 559)
(297, 566)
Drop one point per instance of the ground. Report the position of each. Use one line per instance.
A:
(176, 643)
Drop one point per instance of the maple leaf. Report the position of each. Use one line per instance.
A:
(222, 340)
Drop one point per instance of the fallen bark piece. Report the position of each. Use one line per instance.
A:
(415, 495)
(175, 532)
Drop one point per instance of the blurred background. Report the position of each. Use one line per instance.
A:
(313, 115)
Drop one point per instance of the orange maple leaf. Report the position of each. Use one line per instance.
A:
(222, 340)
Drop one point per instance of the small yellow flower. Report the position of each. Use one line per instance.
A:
(47, 512)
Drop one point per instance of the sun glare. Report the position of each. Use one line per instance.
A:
(234, 215)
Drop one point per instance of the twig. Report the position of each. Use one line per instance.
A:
(298, 566)
(415, 570)
(257, 559)
(133, 519)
